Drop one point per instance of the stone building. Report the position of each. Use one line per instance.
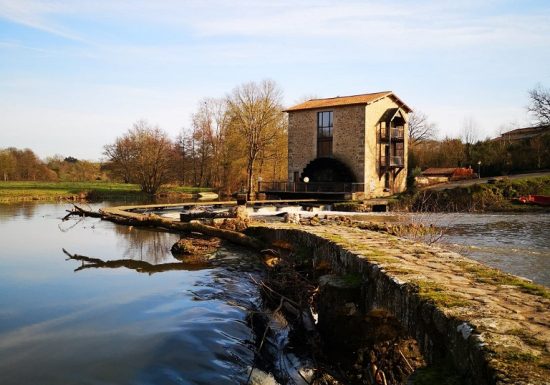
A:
(353, 143)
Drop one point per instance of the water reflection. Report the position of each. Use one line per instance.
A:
(145, 245)
(116, 325)
(132, 264)
(10, 211)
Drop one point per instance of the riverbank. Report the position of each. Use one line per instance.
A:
(481, 319)
(499, 196)
(89, 191)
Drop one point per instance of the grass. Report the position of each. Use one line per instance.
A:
(441, 372)
(493, 276)
(496, 197)
(528, 338)
(519, 356)
(97, 190)
(438, 294)
(353, 279)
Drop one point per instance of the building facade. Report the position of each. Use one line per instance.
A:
(359, 140)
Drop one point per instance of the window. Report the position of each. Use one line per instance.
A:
(324, 124)
(324, 134)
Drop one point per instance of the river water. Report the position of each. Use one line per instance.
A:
(189, 326)
(116, 326)
(515, 243)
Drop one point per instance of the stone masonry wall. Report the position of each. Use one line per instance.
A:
(372, 174)
(355, 142)
(348, 138)
(302, 140)
(494, 331)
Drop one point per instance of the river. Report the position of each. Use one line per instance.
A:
(107, 326)
(116, 326)
(515, 243)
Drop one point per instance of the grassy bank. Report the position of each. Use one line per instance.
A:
(494, 197)
(97, 190)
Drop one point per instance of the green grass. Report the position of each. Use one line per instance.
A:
(527, 337)
(519, 356)
(438, 294)
(441, 372)
(97, 190)
(495, 197)
(493, 276)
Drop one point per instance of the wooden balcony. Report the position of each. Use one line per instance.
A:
(393, 161)
(395, 134)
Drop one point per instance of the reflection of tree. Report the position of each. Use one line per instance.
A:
(132, 264)
(145, 245)
(11, 211)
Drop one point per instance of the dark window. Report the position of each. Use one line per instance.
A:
(324, 124)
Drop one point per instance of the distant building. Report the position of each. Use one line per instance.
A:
(434, 175)
(352, 143)
(524, 133)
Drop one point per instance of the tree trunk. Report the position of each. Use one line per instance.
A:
(122, 217)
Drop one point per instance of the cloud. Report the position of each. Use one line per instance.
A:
(35, 15)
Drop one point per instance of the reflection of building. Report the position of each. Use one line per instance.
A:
(524, 133)
(354, 144)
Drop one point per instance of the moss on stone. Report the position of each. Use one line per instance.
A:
(353, 279)
(493, 276)
(398, 270)
(521, 356)
(438, 294)
(526, 337)
(442, 373)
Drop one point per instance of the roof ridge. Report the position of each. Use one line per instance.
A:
(351, 96)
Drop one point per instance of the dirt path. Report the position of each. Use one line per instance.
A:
(471, 182)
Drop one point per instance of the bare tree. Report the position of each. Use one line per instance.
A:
(210, 129)
(539, 106)
(256, 115)
(468, 133)
(420, 129)
(142, 156)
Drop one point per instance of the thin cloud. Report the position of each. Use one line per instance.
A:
(34, 15)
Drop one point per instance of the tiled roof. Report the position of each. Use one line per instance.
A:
(344, 101)
(528, 130)
(439, 171)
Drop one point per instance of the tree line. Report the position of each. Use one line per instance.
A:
(236, 139)
(232, 142)
(498, 156)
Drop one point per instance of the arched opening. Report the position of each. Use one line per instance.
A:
(328, 170)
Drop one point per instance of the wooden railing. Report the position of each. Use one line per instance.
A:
(393, 161)
(333, 187)
(396, 133)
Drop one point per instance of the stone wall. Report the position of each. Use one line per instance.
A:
(348, 138)
(372, 166)
(438, 299)
(355, 143)
(302, 140)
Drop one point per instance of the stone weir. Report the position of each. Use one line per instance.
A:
(493, 326)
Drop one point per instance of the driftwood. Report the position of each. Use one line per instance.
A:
(139, 266)
(204, 214)
(79, 211)
(152, 220)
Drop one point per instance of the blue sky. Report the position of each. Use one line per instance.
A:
(74, 75)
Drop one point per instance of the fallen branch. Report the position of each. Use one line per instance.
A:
(132, 264)
(127, 218)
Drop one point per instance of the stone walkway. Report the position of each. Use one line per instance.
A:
(508, 317)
